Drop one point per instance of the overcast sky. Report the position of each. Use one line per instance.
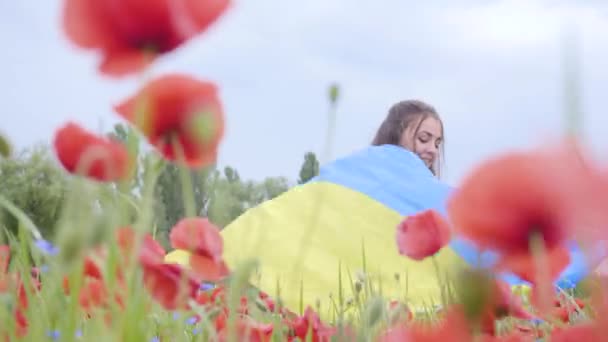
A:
(492, 69)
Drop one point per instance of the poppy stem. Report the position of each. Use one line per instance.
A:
(331, 123)
(541, 268)
(572, 88)
(239, 281)
(185, 178)
(441, 289)
(320, 194)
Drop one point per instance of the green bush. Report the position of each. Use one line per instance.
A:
(35, 183)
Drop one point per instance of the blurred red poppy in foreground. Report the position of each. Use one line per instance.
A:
(544, 193)
(249, 330)
(561, 306)
(452, 327)
(422, 235)
(181, 116)
(81, 152)
(587, 332)
(500, 303)
(130, 34)
(525, 266)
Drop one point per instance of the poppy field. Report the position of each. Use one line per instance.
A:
(104, 277)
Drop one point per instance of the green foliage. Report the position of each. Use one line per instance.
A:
(271, 187)
(120, 132)
(37, 185)
(220, 196)
(310, 168)
(169, 203)
(129, 137)
(231, 196)
(34, 183)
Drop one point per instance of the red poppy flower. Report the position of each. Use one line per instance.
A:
(268, 302)
(125, 238)
(561, 307)
(203, 240)
(524, 264)
(249, 330)
(206, 269)
(92, 269)
(400, 313)
(170, 285)
(587, 332)
(13, 282)
(21, 324)
(452, 327)
(512, 336)
(82, 152)
(150, 251)
(530, 331)
(92, 294)
(130, 34)
(422, 235)
(506, 200)
(311, 323)
(197, 235)
(218, 294)
(180, 116)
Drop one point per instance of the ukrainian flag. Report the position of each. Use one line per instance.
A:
(343, 222)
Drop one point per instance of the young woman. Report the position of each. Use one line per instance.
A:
(415, 126)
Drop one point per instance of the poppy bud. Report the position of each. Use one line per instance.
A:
(334, 93)
(5, 147)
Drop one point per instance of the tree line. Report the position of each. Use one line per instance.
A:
(35, 183)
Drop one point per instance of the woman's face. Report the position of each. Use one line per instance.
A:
(426, 141)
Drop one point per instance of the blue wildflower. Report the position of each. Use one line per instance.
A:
(53, 334)
(206, 286)
(46, 247)
(537, 321)
(155, 339)
(192, 320)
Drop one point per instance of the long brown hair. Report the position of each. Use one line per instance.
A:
(400, 116)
